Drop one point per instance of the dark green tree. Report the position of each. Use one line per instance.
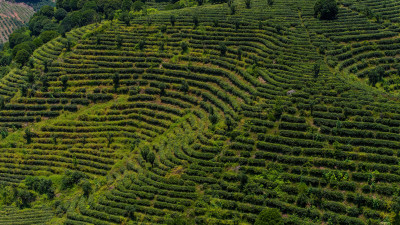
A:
(172, 19)
(243, 178)
(248, 3)
(125, 17)
(24, 198)
(28, 135)
(116, 79)
(45, 83)
(60, 14)
(326, 9)
(86, 188)
(126, 5)
(138, 5)
(119, 41)
(2, 102)
(222, 48)
(195, 20)
(376, 75)
(316, 69)
(270, 2)
(110, 139)
(184, 86)
(184, 46)
(64, 81)
(269, 216)
(141, 44)
(22, 57)
(145, 151)
(151, 157)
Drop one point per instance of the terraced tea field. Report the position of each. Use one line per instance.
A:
(12, 16)
(211, 117)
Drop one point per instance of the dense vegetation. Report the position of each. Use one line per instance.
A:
(238, 112)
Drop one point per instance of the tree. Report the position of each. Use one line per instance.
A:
(233, 9)
(22, 57)
(119, 41)
(24, 198)
(45, 83)
(86, 188)
(126, 5)
(222, 48)
(141, 44)
(24, 90)
(47, 11)
(28, 135)
(151, 157)
(172, 19)
(270, 2)
(125, 17)
(138, 5)
(2, 102)
(184, 46)
(376, 75)
(60, 14)
(200, 2)
(64, 81)
(116, 79)
(243, 180)
(248, 3)
(326, 9)
(135, 142)
(269, 216)
(131, 212)
(195, 19)
(145, 151)
(316, 69)
(184, 86)
(110, 139)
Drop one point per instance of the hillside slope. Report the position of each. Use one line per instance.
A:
(12, 16)
(212, 118)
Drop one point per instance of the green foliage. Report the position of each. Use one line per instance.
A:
(116, 79)
(28, 135)
(223, 49)
(326, 9)
(248, 3)
(172, 20)
(184, 46)
(145, 151)
(64, 81)
(69, 179)
(316, 69)
(86, 187)
(269, 216)
(22, 57)
(126, 5)
(40, 185)
(125, 17)
(138, 5)
(24, 198)
(151, 157)
(376, 75)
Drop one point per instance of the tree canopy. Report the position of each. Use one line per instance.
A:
(326, 9)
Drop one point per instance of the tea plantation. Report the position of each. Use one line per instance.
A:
(211, 114)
